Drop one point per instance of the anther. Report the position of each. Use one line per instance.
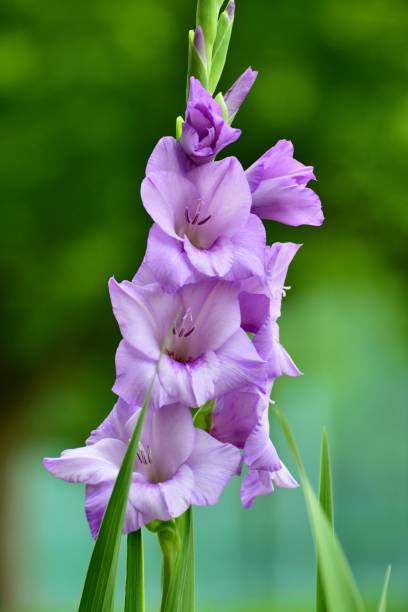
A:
(189, 332)
(204, 220)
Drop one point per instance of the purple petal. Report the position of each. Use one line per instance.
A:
(165, 196)
(144, 313)
(199, 42)
(134, 373)
(254, 310)
(266, 342)
(236, 415)
(171, 438)
(278, 184)
(240, 364)
(224, 188)
(190, 383)
(96, 501)
(214, 261)
(239, 91)
(249, 247)
(259, 452)
(277, 260)
(213, 465)
(89, 464)
(168, 156)
(167, 261)
(215, 312)
(282, 200)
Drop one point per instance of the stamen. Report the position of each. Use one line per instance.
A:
(187, 215)
(204, 220)
(181, 332)
(189, 332)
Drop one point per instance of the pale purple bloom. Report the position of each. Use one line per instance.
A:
(203, 225)
(205, 132)
(239, 91)
(278, 185)
(177, 465)
(205, 351)
(241, 418)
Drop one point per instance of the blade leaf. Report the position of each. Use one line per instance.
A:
(340, 589)
(134, 597)
(326, 503)
(383, 601)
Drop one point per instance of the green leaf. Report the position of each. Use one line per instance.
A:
(326, 503)
(341, 592)
(177, 543)
(383, 601)
(220, 50)
(134, 598)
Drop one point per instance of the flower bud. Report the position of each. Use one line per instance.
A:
(221, 44)
(207, 15)
(197, 65)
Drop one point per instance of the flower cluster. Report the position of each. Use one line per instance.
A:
(202, 310)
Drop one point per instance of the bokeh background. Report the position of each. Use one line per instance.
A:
(86, 90)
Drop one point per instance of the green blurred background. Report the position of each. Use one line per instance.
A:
(86, 90)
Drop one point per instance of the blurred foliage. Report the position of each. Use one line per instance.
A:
(86, 90)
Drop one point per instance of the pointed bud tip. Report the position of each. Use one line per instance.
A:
(231, 9)
(199, 42)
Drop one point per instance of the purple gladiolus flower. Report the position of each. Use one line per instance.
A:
(203, 225)
(177, 465)
(278, 185)
(239, 91)
(241, 418)
(205, 132)
(205, 354)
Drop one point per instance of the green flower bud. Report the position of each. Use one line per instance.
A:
(221, 45)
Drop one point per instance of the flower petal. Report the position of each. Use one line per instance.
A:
(225, 190)
(134, 373)
(168, 156)
(114, 426)
(165, 196)
(249, 248)
(214, 261)
(235, 415)
(259, 452)
(190, 383)
(240, 365)
(277, 260)
(215, 313)
(282, 199)
(171, 439)
(166, 259)
(237, 93)
(91, 464)
(144, 313)
(213, 465)
(266, 342)
(254, 310)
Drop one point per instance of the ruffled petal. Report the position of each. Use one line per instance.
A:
(115, 424)
(259, 452)
(213, 465)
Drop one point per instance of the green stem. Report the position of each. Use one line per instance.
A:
(170, 545)
(134, 599)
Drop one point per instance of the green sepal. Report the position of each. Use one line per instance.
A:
(196, 65)
(203, 416)
(220, 49)
(207, 16)
(220, 99)
(179, 126)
